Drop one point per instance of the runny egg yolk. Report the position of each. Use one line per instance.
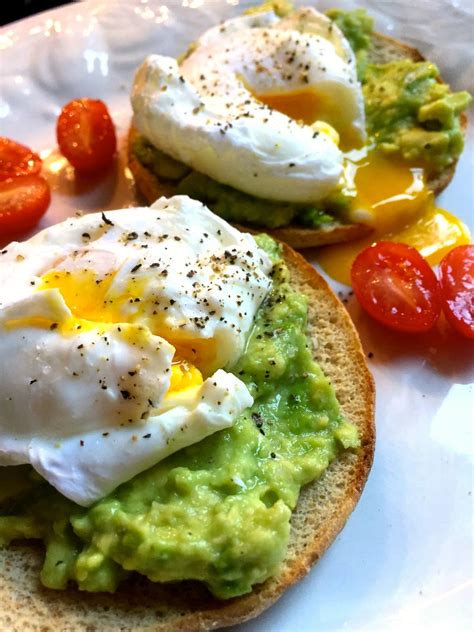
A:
(309, 108)
(85, 293)
(183, 376)
(302, 105)
(392, 196)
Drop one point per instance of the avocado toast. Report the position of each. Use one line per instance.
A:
(322, 510)
(405, 114)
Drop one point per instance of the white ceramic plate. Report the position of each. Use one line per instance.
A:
(404, 560)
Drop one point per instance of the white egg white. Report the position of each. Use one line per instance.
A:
(87, 403)
(204, 112)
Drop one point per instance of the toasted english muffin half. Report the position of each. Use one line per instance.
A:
(322, 510)
(384, 49)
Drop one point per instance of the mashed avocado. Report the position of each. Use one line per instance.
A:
(357, 27)
(279, 7)
(227, 202)
(408, 112)
(217, 511)
(411, 113)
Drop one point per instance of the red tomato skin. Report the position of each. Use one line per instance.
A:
(397, 287)
(17, 160)
(456, 275)
(86, 135)
(23, 201)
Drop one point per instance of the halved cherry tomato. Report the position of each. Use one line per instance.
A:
(397, 287)
(457, 288)
(17, 160)
(86, 134)
(23, 201)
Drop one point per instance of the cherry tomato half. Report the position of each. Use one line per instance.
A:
(457, 288)
(86, 134)
(397, 287)
(23, 201)
(17, 160)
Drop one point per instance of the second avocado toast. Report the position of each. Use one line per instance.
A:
(409, 112)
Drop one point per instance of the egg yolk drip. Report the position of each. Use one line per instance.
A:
(86, 295)
(392, 196)
(391, 193)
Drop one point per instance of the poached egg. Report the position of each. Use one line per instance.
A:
(115, 335)
(258, 104)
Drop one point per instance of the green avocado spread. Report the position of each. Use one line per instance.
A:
(408, 112)
(357, 27)
(411, 113)
(218, 511)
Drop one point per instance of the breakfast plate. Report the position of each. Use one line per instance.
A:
(404, 560)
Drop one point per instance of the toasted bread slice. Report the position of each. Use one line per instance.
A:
(384, 49)
(322, 510)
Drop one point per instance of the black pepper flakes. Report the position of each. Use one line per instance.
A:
(106, 220)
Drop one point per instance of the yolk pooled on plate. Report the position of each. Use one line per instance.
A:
(86, 294)
(392, 196)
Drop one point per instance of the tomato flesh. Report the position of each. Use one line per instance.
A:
(397, 287)
(456, 272)
(23, 201)
(17, 160)
(86, 135)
